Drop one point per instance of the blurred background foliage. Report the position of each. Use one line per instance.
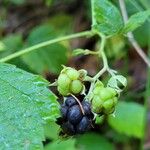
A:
(24, 23)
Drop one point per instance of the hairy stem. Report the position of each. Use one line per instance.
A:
(131, 36)
(105, 68)
(43, 44)
(101, 53)
(92, 12)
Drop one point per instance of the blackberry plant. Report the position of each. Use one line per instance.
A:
(26, 104)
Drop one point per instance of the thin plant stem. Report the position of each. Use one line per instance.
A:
(105, 68)
(43, 44)
(131, 36)
(92, 12)
(78, 103)
(101, 53)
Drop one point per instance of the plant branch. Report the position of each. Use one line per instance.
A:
(92, 12)
(101, 53)
(131, 36)
(43, 44)
(105, 68)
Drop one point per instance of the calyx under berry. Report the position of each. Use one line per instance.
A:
(118, 82)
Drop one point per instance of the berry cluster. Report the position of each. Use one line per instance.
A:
(76, 114)
(69, 81)
(104, 99)
(74, 119)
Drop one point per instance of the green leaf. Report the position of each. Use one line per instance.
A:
(129, 119)
(11, 44)
(25, 101)
(107, 18)
(80, 51)
(115, 47)
(62, 23)
(143, 31)
(61, 145)
(93, 141)
(145, 3)
(136, 21)
(2, 46)
(51, 130)
(48, 58)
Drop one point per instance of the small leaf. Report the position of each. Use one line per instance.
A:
(77, 52)
(80, 51)
(129, 119)
(117, 82)
(107, 18)
(61, 145)
(25, 101)
(93, 141)
(136, 21)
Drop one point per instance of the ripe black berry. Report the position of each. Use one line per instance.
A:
(83, 126)
(73, 120)
(64, 110)
(87, 107)
(68, 128)
(74, 114)
(70, 101)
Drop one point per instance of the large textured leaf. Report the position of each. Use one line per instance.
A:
(107, 17)
(24, 103)
(93, 141)
(136, 20)
(51, 130)
(129, 119)
(49, 58)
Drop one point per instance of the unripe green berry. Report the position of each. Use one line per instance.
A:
(99, 84)
(63, 92)
(107, 93)
(97, 104)
(72, 73)
(63, 81)
(108, 106)
(109, 111)
(97, 90)
(111, 91)
(115, 99)
(76, 86)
